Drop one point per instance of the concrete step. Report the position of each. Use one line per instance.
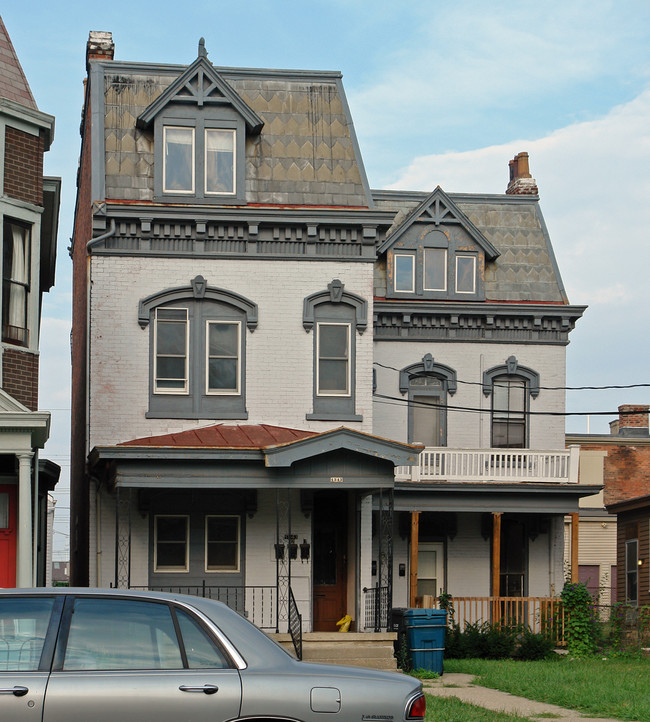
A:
(355, 649)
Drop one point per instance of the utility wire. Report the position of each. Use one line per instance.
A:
(545, 388)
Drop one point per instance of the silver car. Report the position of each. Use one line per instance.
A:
(115, 656)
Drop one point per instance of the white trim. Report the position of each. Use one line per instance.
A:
(175, 191)
(166, 391)
(473, 259)
(348, 391)
(222, 392)
(424, 269)
(410, 256)
(206, 192)
(224, 570)
(171, 570)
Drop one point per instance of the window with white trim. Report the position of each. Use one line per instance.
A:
(178, 160)
(333, 359)
(222, 542)
(171, 337)
(509, 396)
(404, 275)
(223, 362)
(465, 274)
(16, 261)
(171, 543)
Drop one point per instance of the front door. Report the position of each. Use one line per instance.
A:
(430, 569)
(7, 535)
(330, 560)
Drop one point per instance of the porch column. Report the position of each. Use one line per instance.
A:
(24, 541)
(496, 553)
(575, 526)
(415, 541)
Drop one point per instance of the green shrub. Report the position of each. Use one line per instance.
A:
(534, 646)
(580, 620)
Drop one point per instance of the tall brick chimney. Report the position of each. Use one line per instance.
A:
(100, 46)
(632, 421)
(521, 182)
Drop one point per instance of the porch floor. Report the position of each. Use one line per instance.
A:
(356, 649)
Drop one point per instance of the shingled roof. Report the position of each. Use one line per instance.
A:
(13, 83)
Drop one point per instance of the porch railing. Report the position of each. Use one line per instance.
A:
(441, 463)
(257, 603)
(375, 608)
(542, 615)
(295, 625)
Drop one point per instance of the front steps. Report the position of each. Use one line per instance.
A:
(355, 649)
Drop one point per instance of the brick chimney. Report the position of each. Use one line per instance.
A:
(521, 182)
(100, 46)
(632, 421)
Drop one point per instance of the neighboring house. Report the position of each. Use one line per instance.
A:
(621, 462)
(29, 208)
(263, 346)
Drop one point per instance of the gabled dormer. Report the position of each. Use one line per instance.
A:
(436, 253)
(200, 125)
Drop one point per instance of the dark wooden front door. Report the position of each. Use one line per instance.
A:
(330, 560)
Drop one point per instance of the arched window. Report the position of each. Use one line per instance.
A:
(511, 387)
(197, 351)
(427, 384)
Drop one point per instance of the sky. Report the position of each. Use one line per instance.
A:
(442, 92)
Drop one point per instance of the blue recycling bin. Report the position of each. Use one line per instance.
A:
(425, 630)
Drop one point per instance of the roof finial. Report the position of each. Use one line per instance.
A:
(203, 53)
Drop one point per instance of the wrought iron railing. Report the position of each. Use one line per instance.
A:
(295, 625)
(375, 608)
(441, 463)
(258, 603)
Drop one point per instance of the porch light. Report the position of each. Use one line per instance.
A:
(279, 551)
(304, 551)
(293, 550)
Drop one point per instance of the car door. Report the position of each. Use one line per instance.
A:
(28, 626)
(126, 659)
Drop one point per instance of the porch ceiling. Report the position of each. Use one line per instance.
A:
(491, 497)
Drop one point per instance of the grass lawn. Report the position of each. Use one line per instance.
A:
(451, 709)
(602, 687)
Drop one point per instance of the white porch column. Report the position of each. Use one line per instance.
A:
(24, 541)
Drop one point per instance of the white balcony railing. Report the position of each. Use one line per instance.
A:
(515, 465)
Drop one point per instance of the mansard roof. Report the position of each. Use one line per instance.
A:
(201, 84)
(525, 270)
(13, 83)
(438, 208)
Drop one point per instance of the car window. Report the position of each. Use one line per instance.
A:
(121, 634)
(200, 650)
(23, 626)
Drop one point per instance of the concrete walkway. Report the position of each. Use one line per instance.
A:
(461, 686)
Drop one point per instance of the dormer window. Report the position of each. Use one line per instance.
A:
(200, 126)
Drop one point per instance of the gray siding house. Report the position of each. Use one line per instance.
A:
(291, 392)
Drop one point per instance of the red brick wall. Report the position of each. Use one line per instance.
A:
(20, 376)
(633, 416)
(627, 472)
(23, 177)
(82, 232)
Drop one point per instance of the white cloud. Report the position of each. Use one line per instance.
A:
(594, 186)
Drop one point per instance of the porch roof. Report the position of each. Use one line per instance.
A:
(245, 456)
(525, 498)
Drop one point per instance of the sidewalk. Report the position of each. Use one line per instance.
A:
(460, 686)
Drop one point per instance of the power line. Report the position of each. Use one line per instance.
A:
(545, 388)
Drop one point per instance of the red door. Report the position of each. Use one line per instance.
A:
(330, 560)
(7, 536)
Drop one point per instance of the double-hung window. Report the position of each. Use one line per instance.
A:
(509, 413)
(187, 150)
(222, 543)
(435, 269)
(466, 274)
(171, 543)
(171, 335)
(404, 273)
(15, 282)
(223, 363)
(333, 359)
